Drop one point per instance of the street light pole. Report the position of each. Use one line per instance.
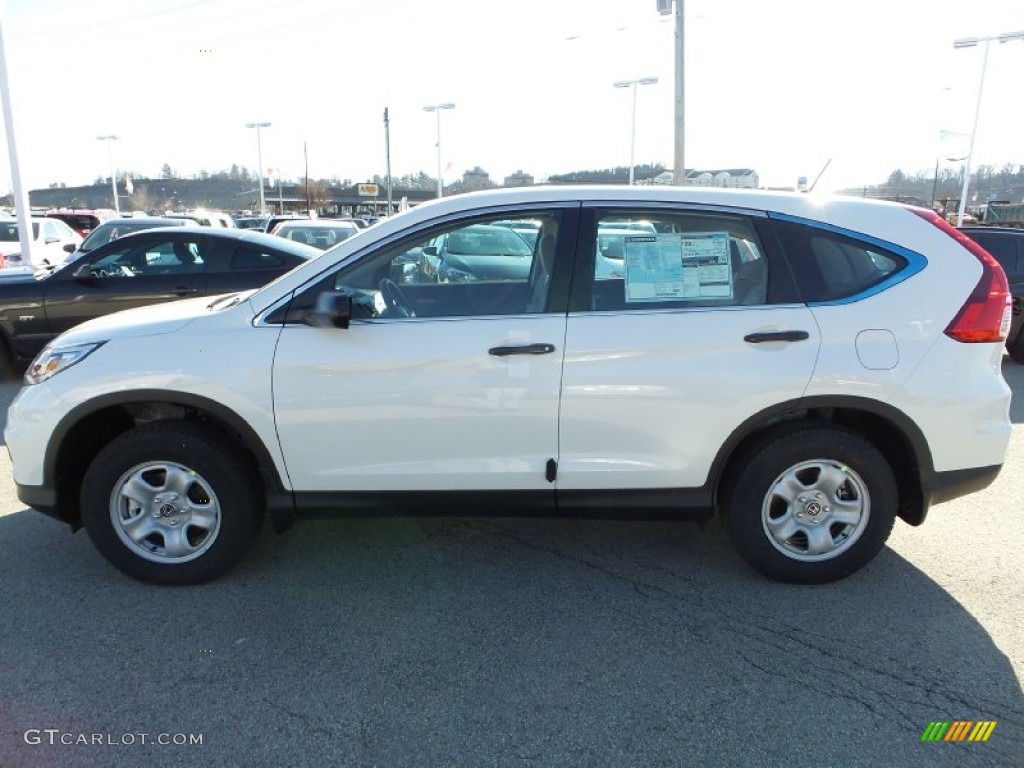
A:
(679, 165)
(971, 42)
(632, 131)
(437, 108)
(113, 178)
(259, 159)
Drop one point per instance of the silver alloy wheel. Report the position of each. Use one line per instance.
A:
(816, 510)
(165, 512)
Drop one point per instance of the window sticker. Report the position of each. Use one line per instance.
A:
(678, 266)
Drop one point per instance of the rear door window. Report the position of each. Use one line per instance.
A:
(672, 259)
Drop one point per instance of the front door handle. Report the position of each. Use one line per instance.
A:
(524, 349)
(181, 290)
(761, 338)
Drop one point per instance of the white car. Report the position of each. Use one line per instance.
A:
(52, 242)
(809, 368)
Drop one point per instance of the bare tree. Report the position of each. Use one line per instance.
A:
(318, 193)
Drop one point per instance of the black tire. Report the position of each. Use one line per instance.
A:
(810, 504)
(1016, 349)
(9, 368)
(172, 502)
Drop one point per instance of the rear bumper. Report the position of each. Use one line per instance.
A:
(946, 486)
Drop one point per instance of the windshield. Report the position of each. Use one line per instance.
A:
(104, 233)
(488, 241)
(317, 236)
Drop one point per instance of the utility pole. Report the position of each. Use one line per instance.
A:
(387, 155)
(679, 163)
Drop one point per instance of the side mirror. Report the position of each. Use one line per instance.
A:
(70, 248)
(83, 271)
(333, 310)
(430, 250)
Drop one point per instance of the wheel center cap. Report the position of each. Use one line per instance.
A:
(813, 509)
(167, 510)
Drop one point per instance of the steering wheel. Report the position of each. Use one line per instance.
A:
(395, 299)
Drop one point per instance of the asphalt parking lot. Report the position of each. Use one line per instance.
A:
(477, 642)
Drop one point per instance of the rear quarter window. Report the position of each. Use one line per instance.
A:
(830, 266)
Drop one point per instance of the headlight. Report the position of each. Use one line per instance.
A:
(53, 360)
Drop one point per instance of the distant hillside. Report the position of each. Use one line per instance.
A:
(154, 194)
(987, 183)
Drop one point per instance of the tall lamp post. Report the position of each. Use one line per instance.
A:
(259, 159)
(632, 131)
(113, 178)
(971, 42)
(679, 164)
(437, 108)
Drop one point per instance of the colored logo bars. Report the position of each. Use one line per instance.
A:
(958, 730)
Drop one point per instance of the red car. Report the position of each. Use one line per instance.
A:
(82, 220)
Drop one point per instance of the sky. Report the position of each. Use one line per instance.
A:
(783, 86)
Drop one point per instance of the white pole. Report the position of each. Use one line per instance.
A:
(970, 42)
(679, 167)
(437, 108)
(440, 185)
(632, 139)
(632, 134)
(18, 191)
(259, 159)
(974, 131)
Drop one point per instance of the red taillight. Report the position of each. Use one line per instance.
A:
(985, 316)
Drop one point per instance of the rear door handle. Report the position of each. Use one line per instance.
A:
(181, 290)
(524, 349)
(761, 338)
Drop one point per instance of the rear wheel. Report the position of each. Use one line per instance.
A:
(9, 368)
(810, 504)
(172, 502)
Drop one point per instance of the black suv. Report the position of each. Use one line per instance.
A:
(1007, 245)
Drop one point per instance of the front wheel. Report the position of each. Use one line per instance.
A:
(172, 502)
(810, 505)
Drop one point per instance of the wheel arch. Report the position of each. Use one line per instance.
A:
(88, 427)
(889, 429)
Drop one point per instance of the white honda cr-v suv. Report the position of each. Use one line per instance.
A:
(810, 368)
